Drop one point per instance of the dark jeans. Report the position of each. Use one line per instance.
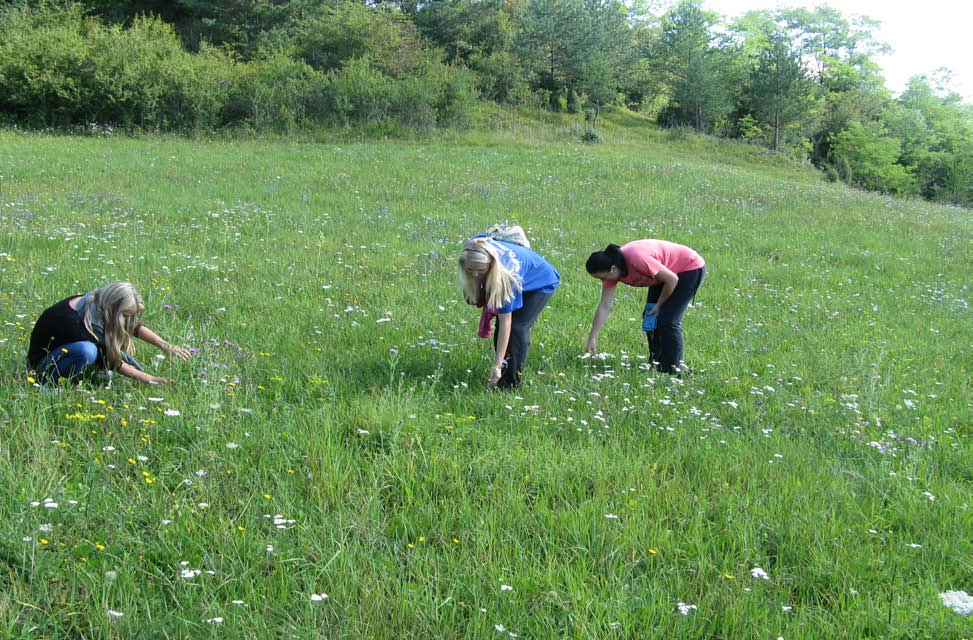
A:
(521, 321)
(666, 342)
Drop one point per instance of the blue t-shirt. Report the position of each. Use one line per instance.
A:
(535, 272)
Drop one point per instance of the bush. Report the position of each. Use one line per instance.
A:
(43, 54)
(864, 155)
(277, 93)
(58, 68)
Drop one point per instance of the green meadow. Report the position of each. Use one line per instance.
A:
(330, 463)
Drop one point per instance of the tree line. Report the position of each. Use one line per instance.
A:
(798, 81)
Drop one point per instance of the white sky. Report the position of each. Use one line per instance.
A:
(924, 35)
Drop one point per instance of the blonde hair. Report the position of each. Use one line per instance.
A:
(499, 282)
(110, 303)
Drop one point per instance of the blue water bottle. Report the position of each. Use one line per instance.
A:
(648, 322)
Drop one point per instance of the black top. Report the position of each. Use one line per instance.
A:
(59, 324)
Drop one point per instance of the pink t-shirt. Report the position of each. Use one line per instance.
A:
(645, 258)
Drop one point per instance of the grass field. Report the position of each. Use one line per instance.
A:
(330, 464)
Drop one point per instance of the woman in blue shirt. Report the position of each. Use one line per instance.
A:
(514, 282)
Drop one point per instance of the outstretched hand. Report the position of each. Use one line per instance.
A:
(175, 350)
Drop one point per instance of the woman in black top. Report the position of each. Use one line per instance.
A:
(94, 330)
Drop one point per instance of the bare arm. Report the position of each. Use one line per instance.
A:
(128, 370)
(601, 315)
(503, 339)
(669, 281)
(146, 334)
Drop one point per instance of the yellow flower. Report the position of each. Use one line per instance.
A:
(410, 545)
(99, 546)
(30, 380)
(267, 496)
(44, 541)
(239, 528)
(422, 538)
(653, 551)
(727, 576)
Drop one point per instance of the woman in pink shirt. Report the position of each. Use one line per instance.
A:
(673, 274)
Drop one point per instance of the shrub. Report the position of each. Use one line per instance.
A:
(43, 54)
(865, 156)
(276, 93)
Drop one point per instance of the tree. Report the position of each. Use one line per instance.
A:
(691, 67)
(558, 40)
(780, 90)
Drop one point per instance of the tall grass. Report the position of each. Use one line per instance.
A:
(330, 463)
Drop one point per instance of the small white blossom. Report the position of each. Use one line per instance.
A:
(958, 601)
(759, 573)
(685, 609)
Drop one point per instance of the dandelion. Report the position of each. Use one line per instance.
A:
(958, 601)
(189, 574)
(172, 412)
(506, 587)
(759, 573)
(319, 597)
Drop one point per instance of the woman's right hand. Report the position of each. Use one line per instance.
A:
(591, 348)
(495, 374)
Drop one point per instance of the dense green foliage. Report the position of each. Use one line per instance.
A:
(797, 81)
(333, 433)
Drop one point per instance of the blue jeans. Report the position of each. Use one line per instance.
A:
(666, 341)
(71, 360)
(67, 361)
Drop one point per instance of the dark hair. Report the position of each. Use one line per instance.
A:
(605, 260)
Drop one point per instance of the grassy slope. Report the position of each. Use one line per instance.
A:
(823, 434)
